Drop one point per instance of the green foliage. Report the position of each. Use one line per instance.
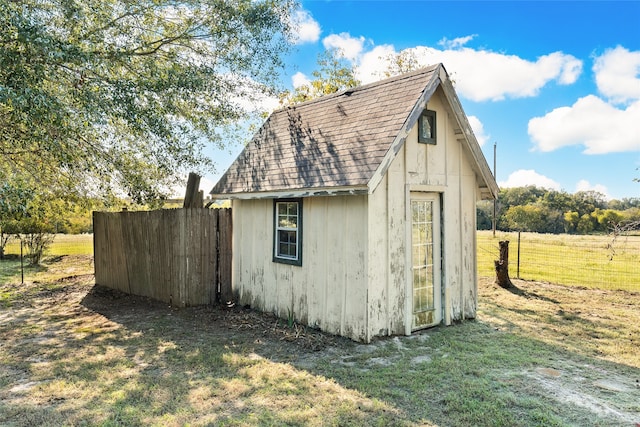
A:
(335, 74)
(37, 241)
(585, 224)
(526, 217)
(484, 215)
(13, 207)
(571, 220)
(549, 211)
(402, 62)
(106, 97)
(32, 215)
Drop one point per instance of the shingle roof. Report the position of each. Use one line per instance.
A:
(334, 141)
(337, 141)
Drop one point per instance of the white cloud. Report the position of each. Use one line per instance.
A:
(480, 75)
(618, 74)
(584, 185)
(349, 47)
(307, 29)
(592, 122)
(483, 75)
(525, 177)
(300, 79)
(373, 64)
(478, 130)
(457, 42)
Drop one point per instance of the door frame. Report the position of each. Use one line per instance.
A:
(438, 229)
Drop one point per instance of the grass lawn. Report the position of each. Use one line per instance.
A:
(73, 353)
(566, 259)
(63, 244)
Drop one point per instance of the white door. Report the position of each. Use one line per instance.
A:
(425, 260)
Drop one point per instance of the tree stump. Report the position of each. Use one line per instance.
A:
(502, 266)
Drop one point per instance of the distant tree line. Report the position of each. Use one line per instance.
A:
(34, 215)
(542, 210)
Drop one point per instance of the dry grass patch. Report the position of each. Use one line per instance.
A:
(597, 323)
(77, 354)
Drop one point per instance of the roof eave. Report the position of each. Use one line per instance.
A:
(489, 187)
(295, 193)
(400, 139)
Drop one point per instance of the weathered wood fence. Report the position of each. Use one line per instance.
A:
(179, 256)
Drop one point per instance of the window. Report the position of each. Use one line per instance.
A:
(427, 127)
(287, 246)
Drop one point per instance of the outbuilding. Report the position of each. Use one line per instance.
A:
(355, 213)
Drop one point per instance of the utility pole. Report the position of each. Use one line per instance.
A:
(495, 201)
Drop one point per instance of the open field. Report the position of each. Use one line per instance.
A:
(72, 353)
(566, 259)
(63, 244)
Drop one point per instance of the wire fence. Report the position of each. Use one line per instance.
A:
(590, 261)
(15, 268)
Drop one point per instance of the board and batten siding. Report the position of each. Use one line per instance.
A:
(445, 169)
(356, 261)
(329, 290)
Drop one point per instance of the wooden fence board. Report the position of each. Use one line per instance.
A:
(225, 240)
(176, 256)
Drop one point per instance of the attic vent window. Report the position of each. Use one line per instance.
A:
(288, 231)
(427, 127)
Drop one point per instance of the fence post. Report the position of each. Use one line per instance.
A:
(21, 264)
(518, 269)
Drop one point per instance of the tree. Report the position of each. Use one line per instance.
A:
(571, 220)
(526, 218)
(13, 207)
(32, 215)
(586, 224)
(335, 74)
(119, 97)
(608, 218)
(585, 202)
(484, 215)
(519, 196)
(402, 62)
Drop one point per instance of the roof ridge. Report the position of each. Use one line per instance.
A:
(349, 91)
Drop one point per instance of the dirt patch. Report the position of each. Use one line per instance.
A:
(594, 324)
(611, 396)
(262, 328)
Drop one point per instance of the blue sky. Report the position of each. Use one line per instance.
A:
(555, 84)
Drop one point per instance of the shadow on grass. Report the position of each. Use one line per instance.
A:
(115, 359)
(11, 269)
(527, 294)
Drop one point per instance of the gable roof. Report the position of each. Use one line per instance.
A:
(341, 143)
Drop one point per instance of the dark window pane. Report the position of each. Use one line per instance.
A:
(283, 249)
(287, 243)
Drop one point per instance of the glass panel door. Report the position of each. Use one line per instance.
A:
(425, 260)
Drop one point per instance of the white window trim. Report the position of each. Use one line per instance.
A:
(285, 259)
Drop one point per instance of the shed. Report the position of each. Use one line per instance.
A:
(355, 213)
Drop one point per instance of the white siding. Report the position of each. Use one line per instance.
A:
(354, 278)
(329, 290)
(443, 168)
(388, 253)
